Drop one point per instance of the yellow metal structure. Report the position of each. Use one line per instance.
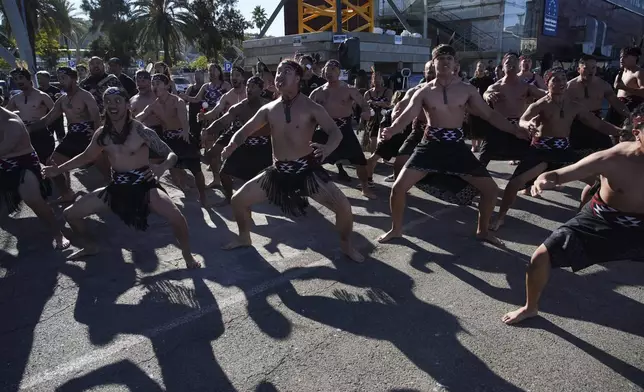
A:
(320, 15)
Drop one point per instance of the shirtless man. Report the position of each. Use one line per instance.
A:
(31, 104)
(82, 114)
(527, 76)
(590, 92)
(256, 153)
(393, 147)
(20, 175)
(549, 120)
(629, 84)
(442, 152)
(609, 228)
(232, 97)
(134, 190)
(172, 112)
(143, 99)
(510, 96)
(417, 126)
(297, 172)
(337, 98)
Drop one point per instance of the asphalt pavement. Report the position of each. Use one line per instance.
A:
(292, 314)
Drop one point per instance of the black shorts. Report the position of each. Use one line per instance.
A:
(78, 137)
(586, 140)
(43, 142)
(498, 145)
(249, 159)
(554, 151)
(187, 152)
(444, 156)
(597, 234)
(412, 140)
(349, 148)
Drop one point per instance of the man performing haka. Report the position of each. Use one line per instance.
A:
(31, 105)
(549, 119)
(256, 154)
(417, 126)
(297, 172)
(337, 98)
(443, 154)
(143, 99)
(83, 115)
(134, 190)
(20, 175)
(591, 91)
(232, 97)
(609, 228)
(172, 112)
(527, 76)
(509, 96)
(629, 84)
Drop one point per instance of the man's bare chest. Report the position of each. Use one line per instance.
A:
(131, 146)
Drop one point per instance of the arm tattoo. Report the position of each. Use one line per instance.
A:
(153, 140)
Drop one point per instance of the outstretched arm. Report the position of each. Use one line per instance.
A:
(412, 111)
(155, 143)
(594, 122)
(253, 125)
(478, 107)
(55, 113)
(222, 122)
(591, 166)
(91, 153)
(197, 98)
(527, 119)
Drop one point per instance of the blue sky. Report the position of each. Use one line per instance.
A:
(246, 8)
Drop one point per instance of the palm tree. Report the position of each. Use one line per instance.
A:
(259, 17)
(164, 22)
(38, 14)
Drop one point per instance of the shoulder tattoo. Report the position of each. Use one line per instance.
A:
(153, 140)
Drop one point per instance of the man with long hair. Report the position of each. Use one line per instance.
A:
(134, 191)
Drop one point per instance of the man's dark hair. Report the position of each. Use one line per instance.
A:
(307, 58)
(443, 50)
(72, 73)
(143, 73)
(587, 57)
(256, 80)
(295, 65)
(21, 71)
(631, 51)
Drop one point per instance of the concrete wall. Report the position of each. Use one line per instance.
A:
(374, 48)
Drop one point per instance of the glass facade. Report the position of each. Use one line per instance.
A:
(488, 28)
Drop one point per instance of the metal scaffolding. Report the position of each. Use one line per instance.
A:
(325, 16)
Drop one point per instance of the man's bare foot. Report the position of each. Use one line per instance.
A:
(350, 252)
(388, 236)
(368, 193)
(191, 263)
(84, 252)
(490, 239)
(222, 203)
(61, 243)
(67, 198)
(496, 223)
(519, 315)
(239, 242)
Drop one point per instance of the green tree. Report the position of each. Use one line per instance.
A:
(200, 62)
(47, 46)
(164, 22)
(259, 17)
(113, 18)
(217, 24)
(49, 14)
